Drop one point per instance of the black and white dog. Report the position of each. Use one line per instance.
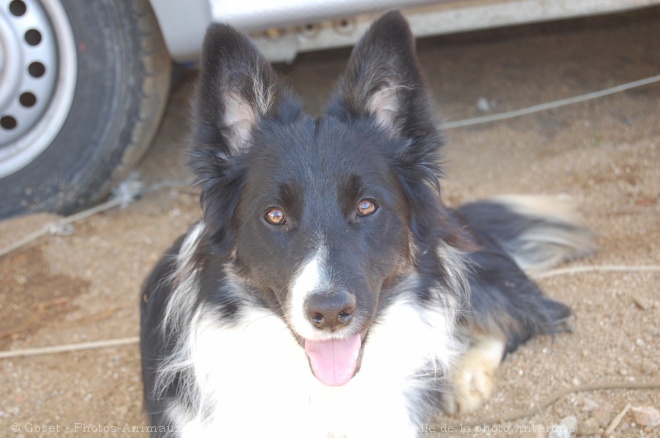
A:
(328, 292)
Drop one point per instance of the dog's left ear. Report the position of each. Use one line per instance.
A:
(383, 81)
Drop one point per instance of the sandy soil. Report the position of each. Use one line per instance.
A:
(605, 154)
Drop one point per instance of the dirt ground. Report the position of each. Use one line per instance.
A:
(604, 154)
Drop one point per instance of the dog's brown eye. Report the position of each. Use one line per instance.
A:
(366, 207)
(275, 216)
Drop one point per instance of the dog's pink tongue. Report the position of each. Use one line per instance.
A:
(334, 361)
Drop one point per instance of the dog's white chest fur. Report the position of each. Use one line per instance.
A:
(253, 378)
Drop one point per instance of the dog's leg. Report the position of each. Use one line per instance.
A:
(507, 308)
(473, 378)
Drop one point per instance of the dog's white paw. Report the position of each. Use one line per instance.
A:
(473, 376)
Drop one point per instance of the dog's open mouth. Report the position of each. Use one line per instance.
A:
(334, 361)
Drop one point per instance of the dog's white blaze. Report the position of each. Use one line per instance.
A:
(254, 379)
(312, 276)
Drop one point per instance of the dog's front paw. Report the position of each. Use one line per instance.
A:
(473, 378)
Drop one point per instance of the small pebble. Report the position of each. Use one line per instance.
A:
(589, 427)
(603, 414)
(559, 431)
(641, 303)
(570, 423)
(589, 405)
(483, 104)
(566, 427)
(646, 416)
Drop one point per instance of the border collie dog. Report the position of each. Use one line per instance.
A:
(328, 291)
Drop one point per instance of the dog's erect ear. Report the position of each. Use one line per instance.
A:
(237, 88)
(383, 81)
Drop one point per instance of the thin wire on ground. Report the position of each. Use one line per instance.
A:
(550, 105)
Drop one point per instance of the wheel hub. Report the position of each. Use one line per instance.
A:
(31, 38)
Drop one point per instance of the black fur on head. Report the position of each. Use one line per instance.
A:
(242, 111)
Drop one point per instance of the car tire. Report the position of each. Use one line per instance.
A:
(111, 81)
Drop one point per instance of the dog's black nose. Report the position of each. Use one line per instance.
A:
(330, 311)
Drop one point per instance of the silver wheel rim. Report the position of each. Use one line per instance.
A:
(37, 78)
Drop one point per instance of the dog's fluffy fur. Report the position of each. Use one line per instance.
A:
(330, 233)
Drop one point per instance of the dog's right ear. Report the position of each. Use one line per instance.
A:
(237, 89)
